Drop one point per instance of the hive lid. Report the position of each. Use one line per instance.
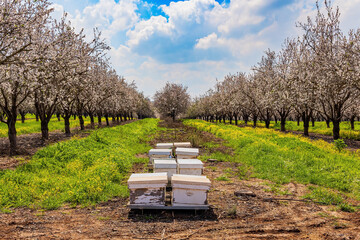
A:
(190, 180)
(164, 145)
(182, 144)
(160, 152)
(190, 163)
(148, 178)
(187, 151)
(160, 163)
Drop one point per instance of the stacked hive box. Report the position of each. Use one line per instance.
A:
(168, 166)
(190, 166)
(189, 190)
(159, 154)
(186, 153)
(148, 189)
(164, 145)
(182, 144)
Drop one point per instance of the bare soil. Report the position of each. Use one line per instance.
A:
(230, 217)
(29, 144)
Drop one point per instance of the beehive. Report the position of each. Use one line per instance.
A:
(186, 153)
(182, 144)
(164, 145)
(148, 188)
(190, 166)
(189, 190)
(165, 165)
(159, 153)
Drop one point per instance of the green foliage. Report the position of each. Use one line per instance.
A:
(339, 144)
(283, 158)
(80, 171)
(222, 178)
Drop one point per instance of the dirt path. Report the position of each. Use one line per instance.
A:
(29, 144)
(231, 217)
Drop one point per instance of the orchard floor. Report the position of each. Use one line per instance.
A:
(231, 217)
(28, 144)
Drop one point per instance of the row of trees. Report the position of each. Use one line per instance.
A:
(48, 68)
(316, 76)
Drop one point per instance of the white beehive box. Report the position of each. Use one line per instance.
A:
(164, 145)
(189, 190)
(190, 166)
(182, 144)
(182, 153)
(165, 165)
(148, 188)
(159, 153)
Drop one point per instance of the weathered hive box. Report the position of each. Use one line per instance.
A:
(148, 188)
(182, 144)
(159, 153)
(190, 166)
(186, 153)
(165, 165)
(164, 145)
(189, 190)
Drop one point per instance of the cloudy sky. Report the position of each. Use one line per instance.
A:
(193, 42)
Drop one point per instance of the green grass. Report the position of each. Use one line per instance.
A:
(283, 158)
(32, 126)
(320, 128)
(79, 171)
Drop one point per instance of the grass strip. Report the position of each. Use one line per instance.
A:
(79, 171)
(283, 158)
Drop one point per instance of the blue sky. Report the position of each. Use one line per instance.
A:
(193, 42)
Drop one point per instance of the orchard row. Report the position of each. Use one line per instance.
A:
(315, 76)
(48, 68)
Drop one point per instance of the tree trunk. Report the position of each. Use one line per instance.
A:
(336, 129)
(275, 119)
(99, 119)
(22, 117)
(113, 119)
(224, 118)
(12, 134)
(67, 124)
(37, 117)
(236, 120)
(328, 123)
(313, 121)
(131, 115)
(246, 119)
(81, 121)
(230, 118)
(74, 117)
(298, 121)
(268, 119)
(44, 129)
(283, 123)
(306, 120)
(255, 120)
(58, 116)
(92, 122)
(107, 120)
(352, 122)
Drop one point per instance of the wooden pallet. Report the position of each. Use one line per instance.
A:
(168, 207)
